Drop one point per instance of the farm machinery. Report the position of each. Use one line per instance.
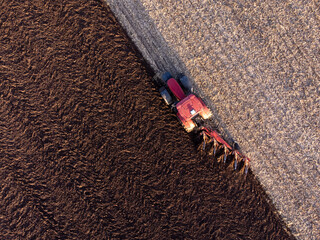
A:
(193, 114)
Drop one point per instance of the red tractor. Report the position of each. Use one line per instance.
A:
(188, 107)
(192, 112)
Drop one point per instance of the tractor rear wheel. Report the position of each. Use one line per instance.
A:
(166, 96)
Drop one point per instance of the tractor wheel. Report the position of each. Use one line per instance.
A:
(166, 96)
(189, 126)
(186, 83)
(166, 76)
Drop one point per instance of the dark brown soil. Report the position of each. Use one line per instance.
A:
(88, 150)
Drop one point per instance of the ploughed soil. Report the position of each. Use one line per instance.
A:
(88, 149)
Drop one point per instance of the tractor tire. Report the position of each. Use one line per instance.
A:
(166, 96)
(186, 83)
(166, 76)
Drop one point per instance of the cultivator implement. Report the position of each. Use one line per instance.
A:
(213, 144)
(192, 112)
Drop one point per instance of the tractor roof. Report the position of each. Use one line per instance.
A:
(189, 107)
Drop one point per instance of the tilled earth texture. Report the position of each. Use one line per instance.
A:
(88, 150)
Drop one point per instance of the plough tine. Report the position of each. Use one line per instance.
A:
(235, 161)
(214, 147)
(246, 166)
(225, 154)
(204, 141)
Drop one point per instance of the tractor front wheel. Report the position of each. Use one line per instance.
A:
(166, 76)
(185, 82)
